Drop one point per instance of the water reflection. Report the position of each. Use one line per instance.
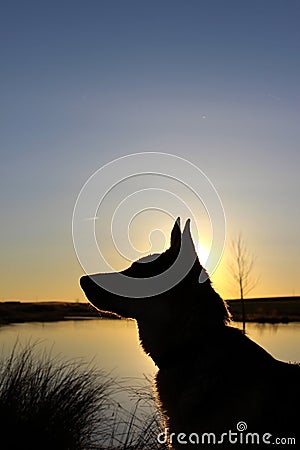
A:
(282, 340)
(114, 344)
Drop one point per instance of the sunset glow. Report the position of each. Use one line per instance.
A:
(202, 252)
(214, 83)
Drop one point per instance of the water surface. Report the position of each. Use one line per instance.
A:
(114, 346)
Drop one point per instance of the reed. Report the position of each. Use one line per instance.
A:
(50, 403)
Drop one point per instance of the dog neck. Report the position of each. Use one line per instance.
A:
(188, 352)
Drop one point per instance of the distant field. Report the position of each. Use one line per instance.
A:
(15, 312)
(277, 309)
(273, 309)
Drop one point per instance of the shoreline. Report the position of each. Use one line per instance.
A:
(262, 310)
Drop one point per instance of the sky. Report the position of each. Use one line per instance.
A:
(86, 82)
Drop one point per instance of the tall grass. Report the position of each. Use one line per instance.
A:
(138, 428)
(47, 403)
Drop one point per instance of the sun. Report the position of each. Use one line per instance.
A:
(202, 252)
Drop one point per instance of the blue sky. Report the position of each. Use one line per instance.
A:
(83, 83)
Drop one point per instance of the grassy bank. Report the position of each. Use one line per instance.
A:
(17, 312)
(273, 309)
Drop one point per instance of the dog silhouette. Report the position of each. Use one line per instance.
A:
(214, 384)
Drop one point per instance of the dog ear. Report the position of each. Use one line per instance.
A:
(187, 240)
(176, 234)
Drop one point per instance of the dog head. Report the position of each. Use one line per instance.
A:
(171, 318)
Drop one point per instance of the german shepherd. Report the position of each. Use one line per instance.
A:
(214, 384)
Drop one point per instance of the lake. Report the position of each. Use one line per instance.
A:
(114, 346)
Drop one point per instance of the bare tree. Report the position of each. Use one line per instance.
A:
(241, 270)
